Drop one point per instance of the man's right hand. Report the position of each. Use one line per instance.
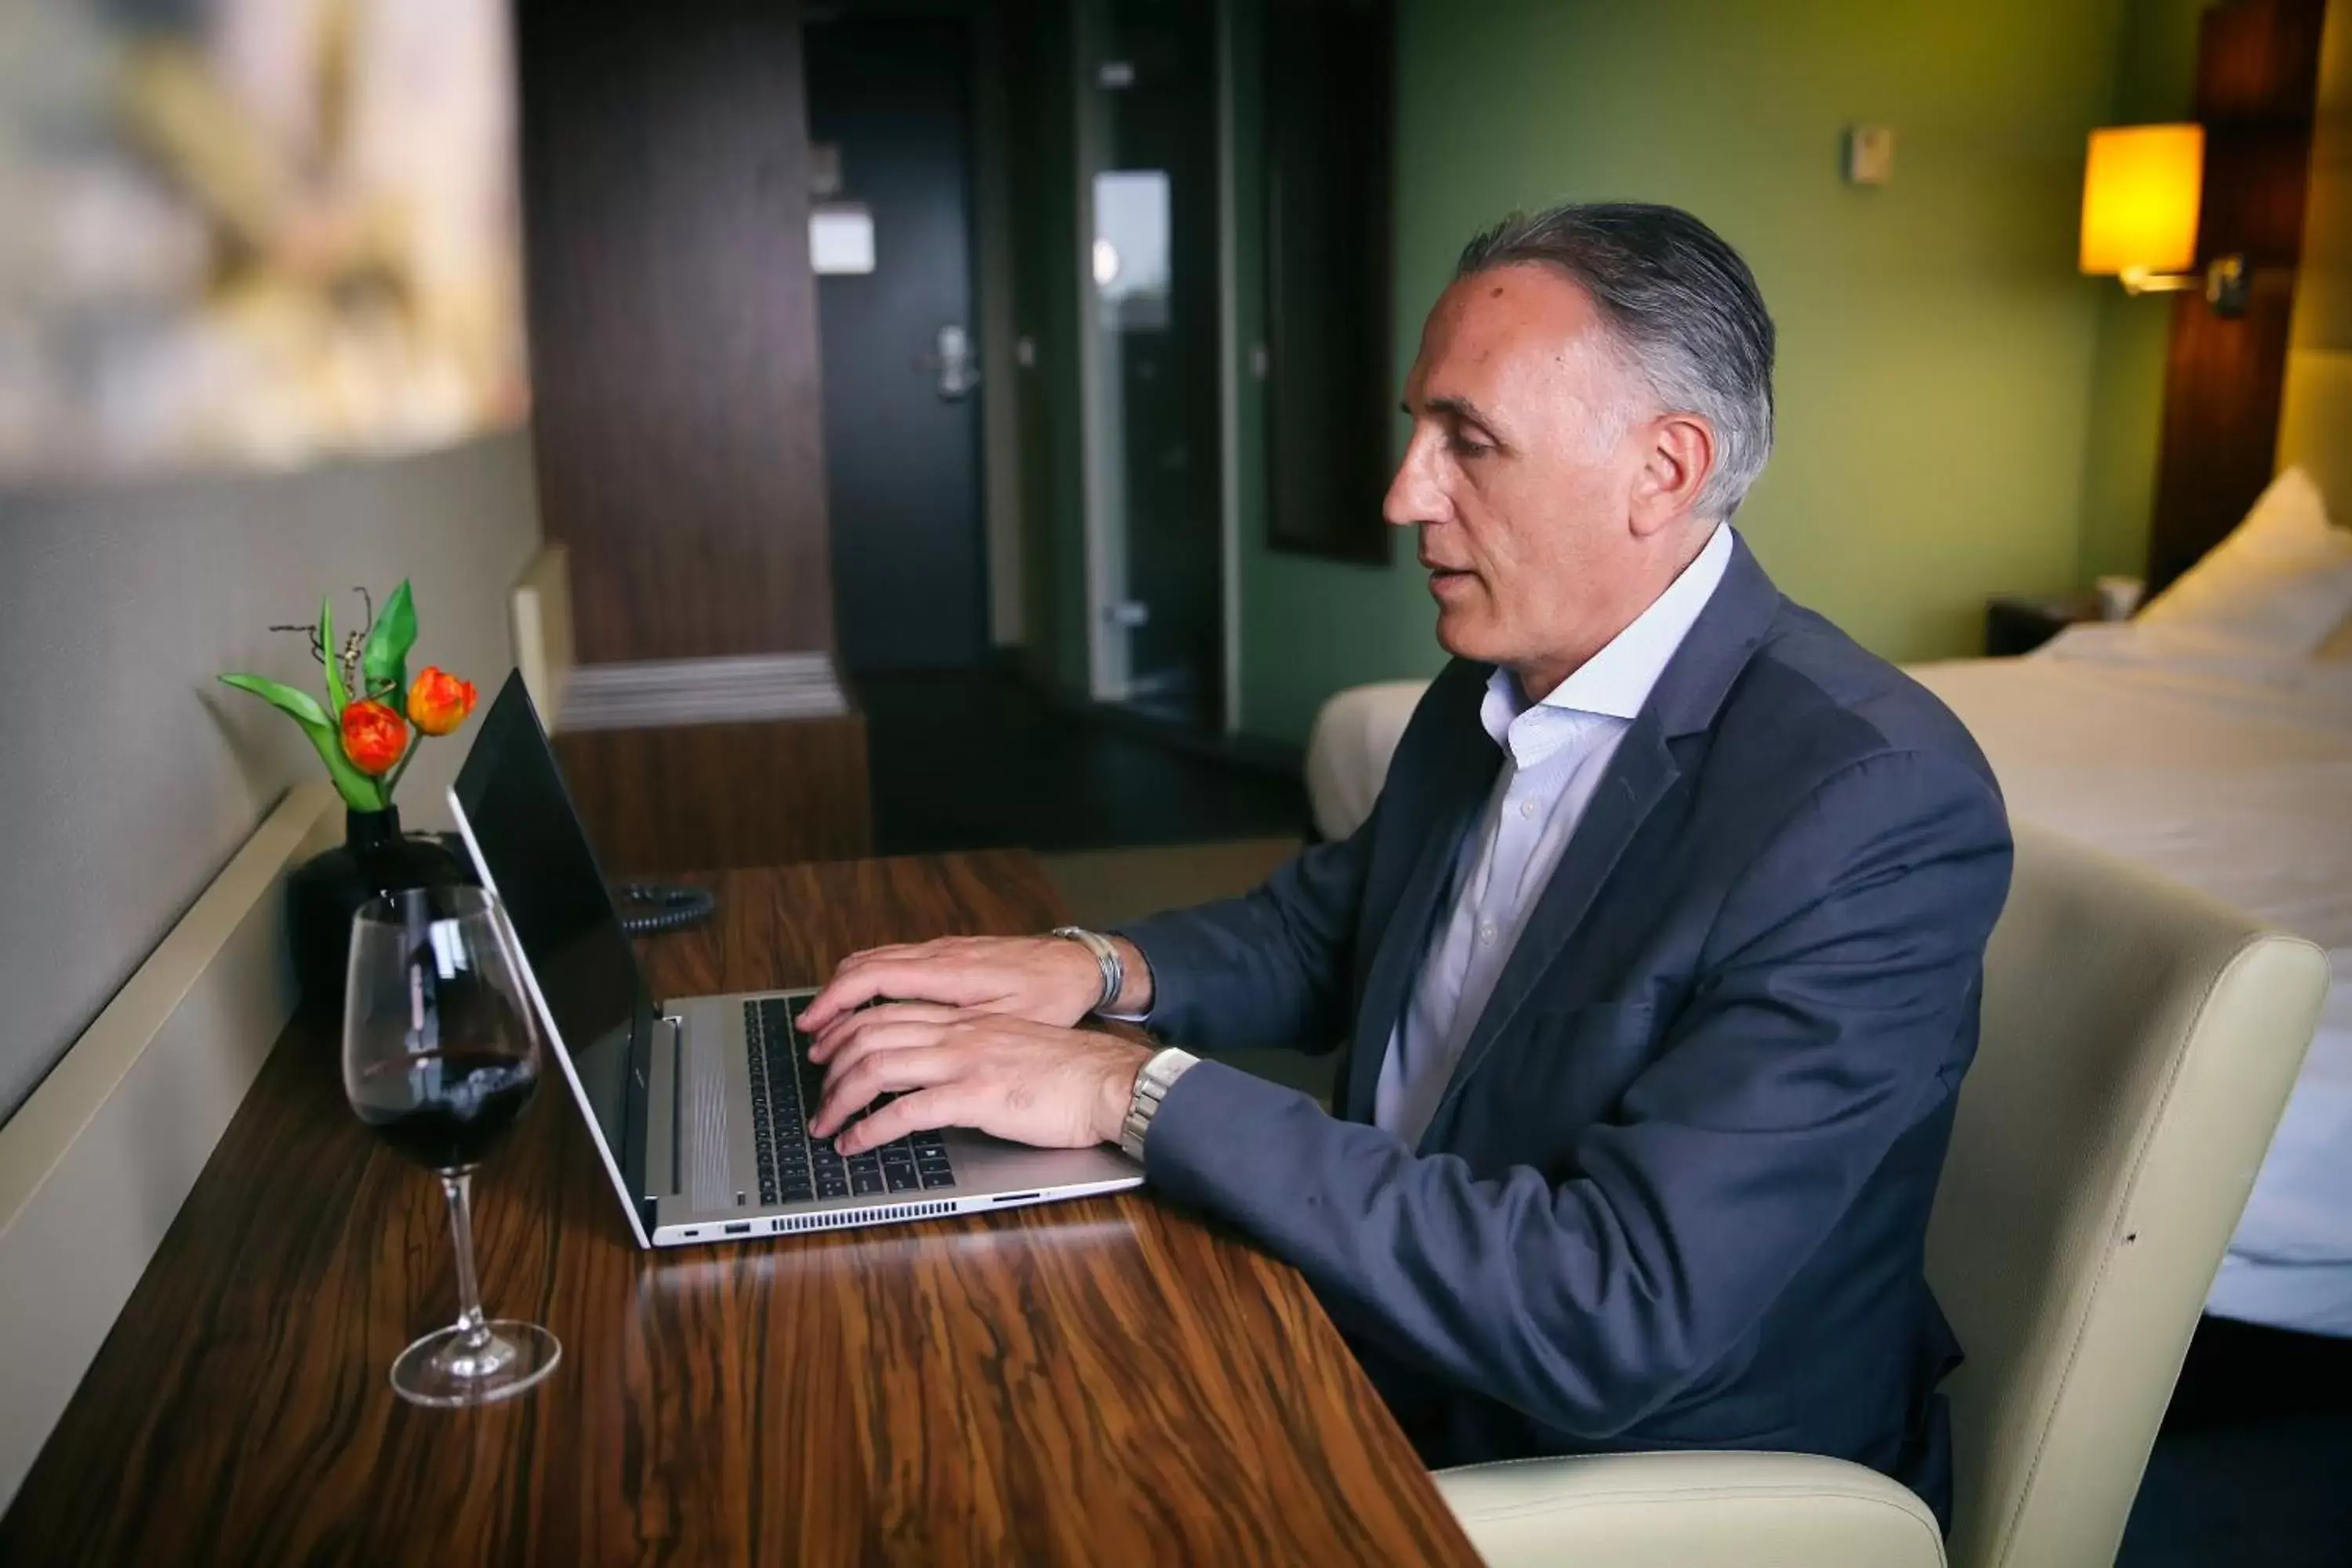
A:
(1047, 979)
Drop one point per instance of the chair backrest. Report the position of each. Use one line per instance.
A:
(2139, 1042)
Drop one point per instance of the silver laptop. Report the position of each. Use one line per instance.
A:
(699, 1106)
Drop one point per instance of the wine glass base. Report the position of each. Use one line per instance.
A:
(462, 1366)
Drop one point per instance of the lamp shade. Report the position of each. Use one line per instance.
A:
(2139, 199)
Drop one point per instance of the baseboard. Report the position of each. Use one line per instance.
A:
(675, 692)
(94, 1166)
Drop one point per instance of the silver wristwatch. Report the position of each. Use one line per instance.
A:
(1106, 952)
(1151, 1086)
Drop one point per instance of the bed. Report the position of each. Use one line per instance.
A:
(2219, 762)
(2232, 773)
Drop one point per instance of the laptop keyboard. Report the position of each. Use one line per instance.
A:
(786, 1088)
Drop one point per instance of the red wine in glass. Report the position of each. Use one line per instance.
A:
(445, 1109)
(441, 1057)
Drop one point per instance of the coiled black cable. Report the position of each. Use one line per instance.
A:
(649, 908)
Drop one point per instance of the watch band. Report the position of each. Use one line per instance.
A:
(1107, 959)
(1151, 1086)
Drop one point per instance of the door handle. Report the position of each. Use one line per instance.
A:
(955, 362)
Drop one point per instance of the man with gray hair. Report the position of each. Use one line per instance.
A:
(1655, 970)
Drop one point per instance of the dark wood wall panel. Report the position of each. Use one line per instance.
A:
(2259, 59)
(704, 798)
(673, 323)
(2257, 82)
(2223, 381)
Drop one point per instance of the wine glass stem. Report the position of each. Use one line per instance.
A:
(458, 1186)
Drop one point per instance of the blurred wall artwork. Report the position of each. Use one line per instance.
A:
(253, 233)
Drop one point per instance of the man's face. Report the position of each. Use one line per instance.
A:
(1527, 449)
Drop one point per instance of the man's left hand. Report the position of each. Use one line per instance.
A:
(1010, 1077)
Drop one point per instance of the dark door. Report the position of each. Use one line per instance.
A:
(901, 404)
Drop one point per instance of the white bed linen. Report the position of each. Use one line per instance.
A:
(2230, 770)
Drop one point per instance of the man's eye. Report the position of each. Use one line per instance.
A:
(1464, 446)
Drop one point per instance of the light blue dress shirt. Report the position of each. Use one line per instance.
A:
(1555, 752)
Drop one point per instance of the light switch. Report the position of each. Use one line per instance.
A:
(1869, 154)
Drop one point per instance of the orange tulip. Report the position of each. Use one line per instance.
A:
(439, 701)
(373, 737)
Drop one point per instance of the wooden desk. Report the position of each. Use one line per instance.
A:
(1107, 1381)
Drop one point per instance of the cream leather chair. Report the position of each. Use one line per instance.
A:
(2139, 1042)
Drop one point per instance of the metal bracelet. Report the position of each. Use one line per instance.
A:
(1158, 1076)
(1107, 959)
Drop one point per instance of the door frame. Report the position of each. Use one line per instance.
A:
(1229, 379)
(994, 238)
(1108, 672)
(1105, 533)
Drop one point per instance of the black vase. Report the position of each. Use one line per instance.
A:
(323, 894)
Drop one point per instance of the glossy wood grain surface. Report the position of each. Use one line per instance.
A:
(1100, 1381)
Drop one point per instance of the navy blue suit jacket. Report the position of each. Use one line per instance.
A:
(1676, 1193)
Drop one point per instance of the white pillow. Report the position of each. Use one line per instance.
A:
(2282, 580)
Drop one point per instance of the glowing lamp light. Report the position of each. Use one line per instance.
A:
(2141, 192)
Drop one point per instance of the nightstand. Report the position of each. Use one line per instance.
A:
(2020, 623)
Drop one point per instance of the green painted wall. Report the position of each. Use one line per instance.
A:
(2156, 79)
(1937, 349)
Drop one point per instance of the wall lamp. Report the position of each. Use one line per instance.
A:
(2141, 186)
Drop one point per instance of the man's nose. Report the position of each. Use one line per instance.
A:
(1415, 497)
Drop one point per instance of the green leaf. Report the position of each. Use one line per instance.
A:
(294, 702)
(383, 662)
(335, 697)
(360, 791)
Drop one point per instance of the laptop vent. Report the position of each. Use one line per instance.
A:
(840, 1218)
(711, 1176)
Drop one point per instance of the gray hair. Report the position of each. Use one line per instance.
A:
(1682, 309)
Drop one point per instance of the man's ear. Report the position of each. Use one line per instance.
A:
(1679, 456)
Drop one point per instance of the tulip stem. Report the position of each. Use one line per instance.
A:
(416, 739)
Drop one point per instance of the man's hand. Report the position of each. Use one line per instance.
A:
(1045, 979)
(1011, 1078)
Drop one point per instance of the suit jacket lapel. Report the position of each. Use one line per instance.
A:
(1472, 761)
(1684, 702)
(1639, 776)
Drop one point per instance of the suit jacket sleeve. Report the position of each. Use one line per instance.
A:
(1271, 968)
(1832, 1015)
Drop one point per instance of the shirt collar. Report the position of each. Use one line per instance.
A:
(1615, 682)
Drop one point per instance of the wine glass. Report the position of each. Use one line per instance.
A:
(440, 1057)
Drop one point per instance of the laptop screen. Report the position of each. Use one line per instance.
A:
(537, 857)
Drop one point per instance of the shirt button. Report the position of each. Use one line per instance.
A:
(1527, 808)
(1488, 933)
